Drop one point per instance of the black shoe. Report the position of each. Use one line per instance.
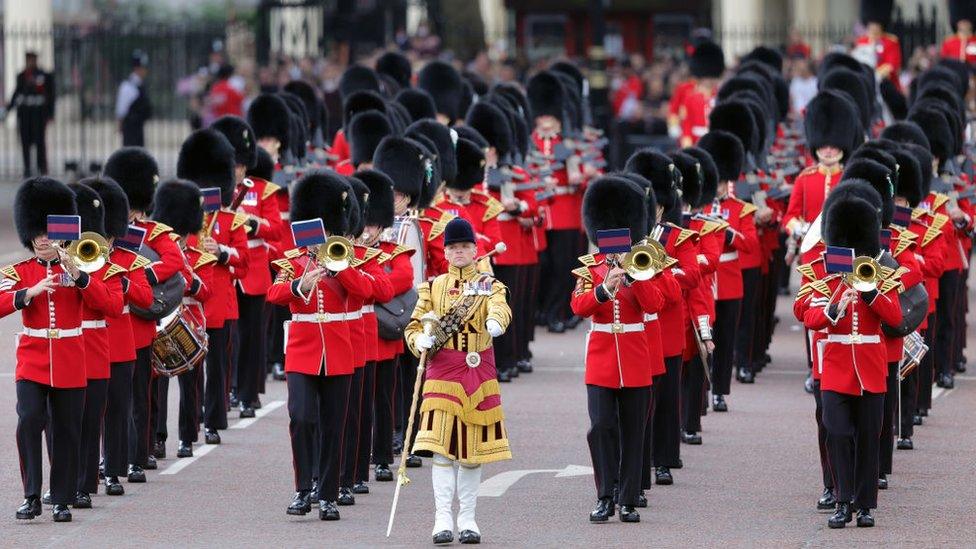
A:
(301, 504)
(150, 464)
(346, 497)
(572, 322)
(680, 464)
(313, 500)
(746, 375)
(905, 444)
(46, 498)
(414, 461)
(864, 518)
(808, 384)
(397, 443)
(469, 537)
(882, 483)
(504, 377)
(443, 537)
(82, 501)
(256, 403)
(360, 488)
(30, 508)
(662, 475)
(246, 411)
(841, 516)
(278, 371)
(961, 367)
(234, 402)
(642, 499)
(383, 473)
(61, 513)
(524, 366)
(556, 327)
(113, 487)
(629, 514)
(328, 510)
(917, 420)
(691, 438)
(718, 404)
(136, 474)
(604, 510)
(101, 469)
(513, 372)
(827, 500)
(211, 436)
(185, 450)
(159, 449)
(945, 381)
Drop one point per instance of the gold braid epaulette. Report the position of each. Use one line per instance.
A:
(293, 253)
(284, 265)
(747, 208)
(684, 235)
(584, 273)
(139, 262)
(905, 239)
(158, 229)
(204, 259)
(239, 219)
(492, 206)
(10, 272)
(939, 200)
(807, 270)
(269, 189)
(588, 260)
(113, 270)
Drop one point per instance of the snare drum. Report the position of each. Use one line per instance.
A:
(180, 344)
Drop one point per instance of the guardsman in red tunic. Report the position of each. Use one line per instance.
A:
(366, 130)
(51, 293)
(962, 44)
(207, 159)
(397, 268)
(135, 170)
(852, 359)
(740, 237)
(618, 381)
(692, 99)
(122, 352)
(178, 204)
(882, 46)
(319, 356)
(95, 338)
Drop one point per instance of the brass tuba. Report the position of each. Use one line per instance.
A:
(89, 252)
(644, 260)
(865, 275)
(336, 253)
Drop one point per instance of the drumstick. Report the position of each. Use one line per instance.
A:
(500, 248)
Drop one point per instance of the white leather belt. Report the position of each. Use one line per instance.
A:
(617, 328)
(53, 333)
(285, 216)
(326, 317)
(560, 191)
(368, 309)
(650, 317)
(504, 216)
(255, 243)
(853, 340)
(92, 324)
(191, 301)
(728, 256)
(699, 131)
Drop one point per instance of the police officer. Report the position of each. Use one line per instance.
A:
(34, 100)
(132, 106)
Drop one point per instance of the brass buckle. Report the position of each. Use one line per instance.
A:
(53, 333)
(617, 328)
(321, 317)
(855, 338)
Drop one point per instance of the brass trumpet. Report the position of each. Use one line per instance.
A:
(89, 252)
(644, 260)
(336, 253)
(865, 275)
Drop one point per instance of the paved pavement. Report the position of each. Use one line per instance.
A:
(754, 482)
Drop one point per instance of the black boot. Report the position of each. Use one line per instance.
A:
(328, 510)
(691, 438)
(945, 381)
(556, 327)
(211, 436)
(603, 511)
(641, 500)
(414, 461)
(882, 482)
(503, 376)
(746, 375)
(113, 487)
(247, 411)
(61, 513)
(469, 537)
(278, 371)
(360, 488)
(917, 420)
(841, 516)
(662, 475)
(443, 537)
(185, 450)
(30, 508)
(159, 449)
(46, 497)
(905, 444)
(718, 404)
(864, 518)
(301, 504)
(383, 473)
(524, 366)
(346, 497)
(233, 399)
(150, 464)
(629, 514)
(826, 501)
(136, 474)
(82, 501)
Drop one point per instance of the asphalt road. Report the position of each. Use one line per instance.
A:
(754, 482)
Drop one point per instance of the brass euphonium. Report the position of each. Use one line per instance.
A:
(865, 275)
(644, 260)
(336, 253)
(89, 252)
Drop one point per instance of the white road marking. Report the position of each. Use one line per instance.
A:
(937, 392)
(497, 485)
(183, 463)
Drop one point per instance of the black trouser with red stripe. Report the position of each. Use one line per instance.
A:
(749, 313)
(408, 377)
(350, 437)
(91, 431)
(561, 256)
(825, 469)
(926, 368)
(853, 426)
(617, 419)
(118, 411)
(140, 430)
(666, 445)
(383, 417)
(66, 407)
(887, 445)
(252, 349)
(317, 415)
(506, 345)
(646, 459)
(365, 438)
(909, 404)
(215, 388)
(692, 394)
(189, 419)
(726, 322)
(529, 277)
(948, 314)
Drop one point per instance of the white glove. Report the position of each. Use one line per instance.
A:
(494, 328)
(423, 342)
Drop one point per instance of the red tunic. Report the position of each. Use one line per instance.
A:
(228, 232)
(199, 271)
(691, 106)
(682, 244)
(739, 216)
(368, 261)
(340, 147)
(564, 210)
(903, 246)
(888, 52)
(399, 271)
(137, 292)
(810, 189)
(260, 204)
(955, 47)
(170, 263)
(95, 334)
(519, 238)
(432, 222)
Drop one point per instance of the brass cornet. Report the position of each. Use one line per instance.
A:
(645, 260)
(865, 275)
(90, 252)
(336, 253)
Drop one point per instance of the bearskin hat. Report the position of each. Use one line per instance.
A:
(570, 70)
(772, 58)
(471, 166)
(726, 151)
(876, 11)
(395, 65)
(472, 135)
(37, 198)
(938, 73)
(360, 206)
(924, 158)
(709, 178)
(135, 170)
(851, 83)
(546, 96)
(380, 212)
(240, 135)
(358, 78)
(836, 59)
(207, 159)
(399, 117)
(880, 178)
(831, 119)
(306, 92)
(872, 151)
(445, 86)
(893, 99)
(268, 117)
(418, 103)
(116, 205)
(960, 10)
(909, 184)
(615, 203)
(179, 204)
(366, 130)
(440, 135)
(854, 188)
(403, 161)
(692, 176)
(954, 121)
(752, 83)
(323, 195)
(906, 131)
(707, 61)
(489, 121)
(736, 118)
(853, 223)
(961, 69)
(780, 89)
(90, 208)
(361, 101)
(935, 126)
(432, 184)
(650, 200)
(264, 167)
(661, 172)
